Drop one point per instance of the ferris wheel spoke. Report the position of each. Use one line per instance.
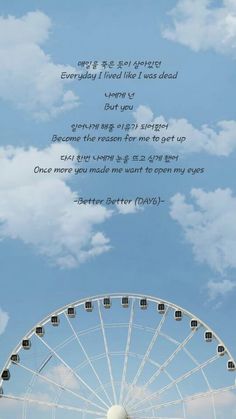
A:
(147, 354)
(126, 357)
(180, 379)
(164, 365)
(88, 359)
(196, 396)
(51, 405)
(62, 387)
(107, 353)
(75, 374)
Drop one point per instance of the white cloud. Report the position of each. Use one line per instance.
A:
(220, 141)
(220, 288)
(129, 208)
(200, 25)
(209, 225)
(3, 321)
(139, 393)
(143, 114)
(11, 405)
(28, 76)
(63, 376)
(38, 209)
(224, 402)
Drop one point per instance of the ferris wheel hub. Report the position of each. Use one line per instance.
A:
(117, 412)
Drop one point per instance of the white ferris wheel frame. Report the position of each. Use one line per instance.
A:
(180, 345)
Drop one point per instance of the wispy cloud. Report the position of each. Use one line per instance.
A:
(63, 376)
(13, 406)
(29, 78)
(129, 208)
(220, 288)
(202, 407)
(219, 141)
(201, 25)
(209, 225)
(4, 317)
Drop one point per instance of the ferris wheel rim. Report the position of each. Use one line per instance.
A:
(116, 295)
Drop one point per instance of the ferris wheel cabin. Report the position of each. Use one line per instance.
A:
(125, 302)
(15, 358)
(71, 312)
(178, 315)
(40, 331)
(220, 350)
(55, 320)
(231, 365)
(161, 308)
(143, 303)
(6, 375)
(107, 302)
(26, 344)
(88, 305)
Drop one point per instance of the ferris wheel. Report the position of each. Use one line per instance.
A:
(122, 356)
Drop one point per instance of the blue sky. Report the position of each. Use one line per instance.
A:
(53, 252)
